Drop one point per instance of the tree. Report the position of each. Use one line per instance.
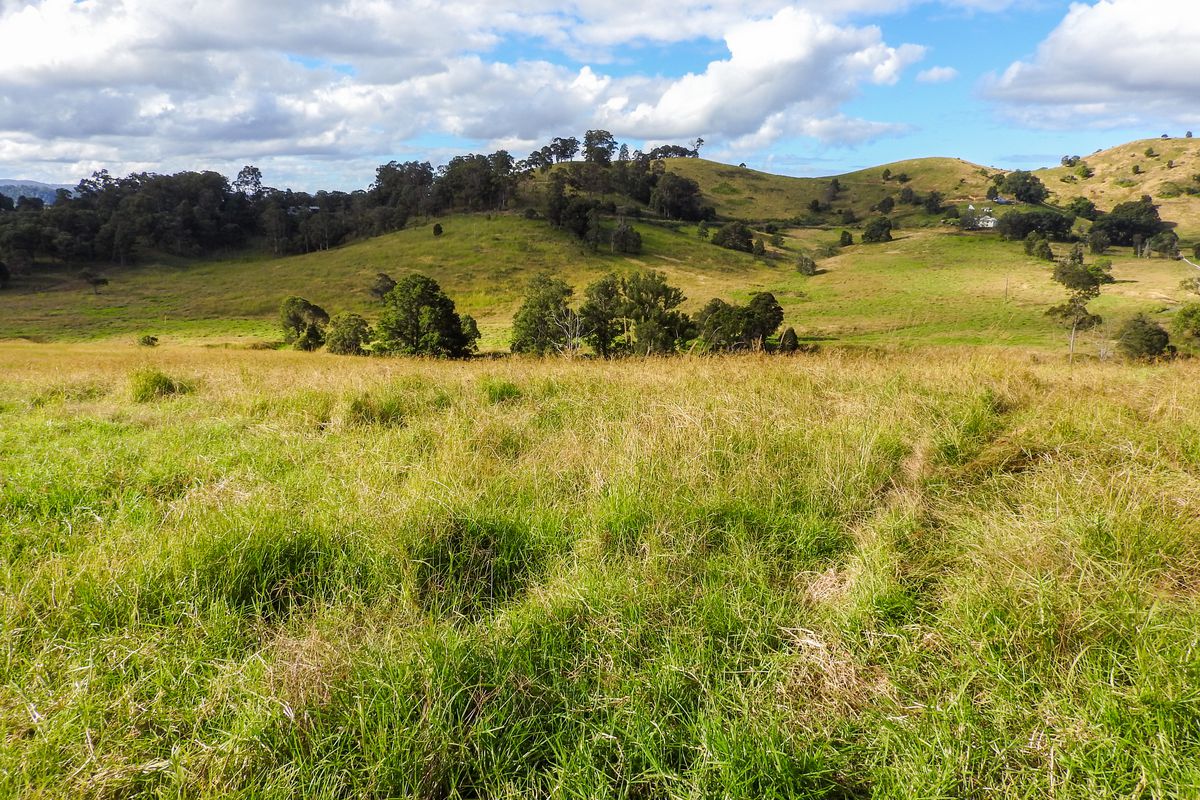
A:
(789, 342)
(846, 239)
(1025, 187)
(536, 326)
(677, 197)
(600, 316)
(348, 334)
(1083, 284)
(382, 285)
(933, 203)
(1130, 219)
(625, 239)
(1166, 244)
(1097, 241)
(93, 280)
(1142, 337)
(887, 174)
(1187, 321)
(5, 275)
(598, 147)
(249, 181)
(651, 304)
(907, 195)
(1050, 224)
(885, 206)
(877, 230)
(303, 323)
(759, 248)
(734, 236)
(1083, 207)
(564, 149)
(437, 229)
(723, 326)
(805, 265)
(419, 319)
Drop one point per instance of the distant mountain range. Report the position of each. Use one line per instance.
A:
(15, 188)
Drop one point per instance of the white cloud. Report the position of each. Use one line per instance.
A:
(937, 75)
(1115, 62)
(176, 83)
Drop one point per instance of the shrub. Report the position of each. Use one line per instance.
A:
(437, 229)
(303, 323)
(1187, 321)
(347, 335)
(146, 340)
(805, 265)
(150, 384)
(734, 236)
(846, 239)
(877, 230)
(789, 342)
(1142, 337)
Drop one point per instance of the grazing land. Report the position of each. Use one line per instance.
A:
(948, 573)
(928, 286)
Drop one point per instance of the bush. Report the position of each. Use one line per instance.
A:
(789, 342)
(846, 239)
(805, 265)
(437, 229)
(1187, 321)
(348, 335)
(734, 236)
(151, 384)
(877, 230)
(146, 340)
(1142, 337)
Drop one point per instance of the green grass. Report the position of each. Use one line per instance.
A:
(930, 286)
(954, 573)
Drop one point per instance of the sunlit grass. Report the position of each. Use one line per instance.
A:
(952, 573)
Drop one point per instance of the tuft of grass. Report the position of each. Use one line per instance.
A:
(497, 390)
(149, 384)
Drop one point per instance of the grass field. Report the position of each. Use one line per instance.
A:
(930, 286)
(955, 573)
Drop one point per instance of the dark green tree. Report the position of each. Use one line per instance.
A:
(805, 265)
(1025, 187)
(1097, 241)
(651, 304)
(303, 323)
(625, 239)
(5, 275)
(598, 147)
(846, 239)
(878, 229)
(540, 324)
(601, 316)
(789, 342)
(1142, 337)
(734, 236)
(419, 319)
(347, 335)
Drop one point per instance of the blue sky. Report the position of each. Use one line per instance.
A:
(317, 93)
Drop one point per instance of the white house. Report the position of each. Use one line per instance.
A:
(986, 221)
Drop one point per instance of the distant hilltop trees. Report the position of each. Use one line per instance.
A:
(115, 219)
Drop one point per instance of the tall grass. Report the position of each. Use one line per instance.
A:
(927, 575)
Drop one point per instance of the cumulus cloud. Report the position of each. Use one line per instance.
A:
(1112, 63)
(937, 75)
(173, 83)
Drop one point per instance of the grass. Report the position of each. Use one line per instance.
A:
(930, 286)
(948, 573)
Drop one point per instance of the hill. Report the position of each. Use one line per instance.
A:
(747, 193)
(15, 189)
(1167, 176)
(929, 286)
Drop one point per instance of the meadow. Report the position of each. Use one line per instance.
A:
(929, 286)
(947, 573)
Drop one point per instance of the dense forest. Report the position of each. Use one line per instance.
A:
(108, 219)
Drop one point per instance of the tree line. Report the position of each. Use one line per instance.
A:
(637, 314)
(110, 219)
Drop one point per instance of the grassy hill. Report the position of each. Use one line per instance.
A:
(747, 193)
(944, 574)
(929, 286)
(1164, 176)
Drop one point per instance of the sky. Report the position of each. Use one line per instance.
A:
(318, 93)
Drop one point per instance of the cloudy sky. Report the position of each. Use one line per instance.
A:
(319, 92)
